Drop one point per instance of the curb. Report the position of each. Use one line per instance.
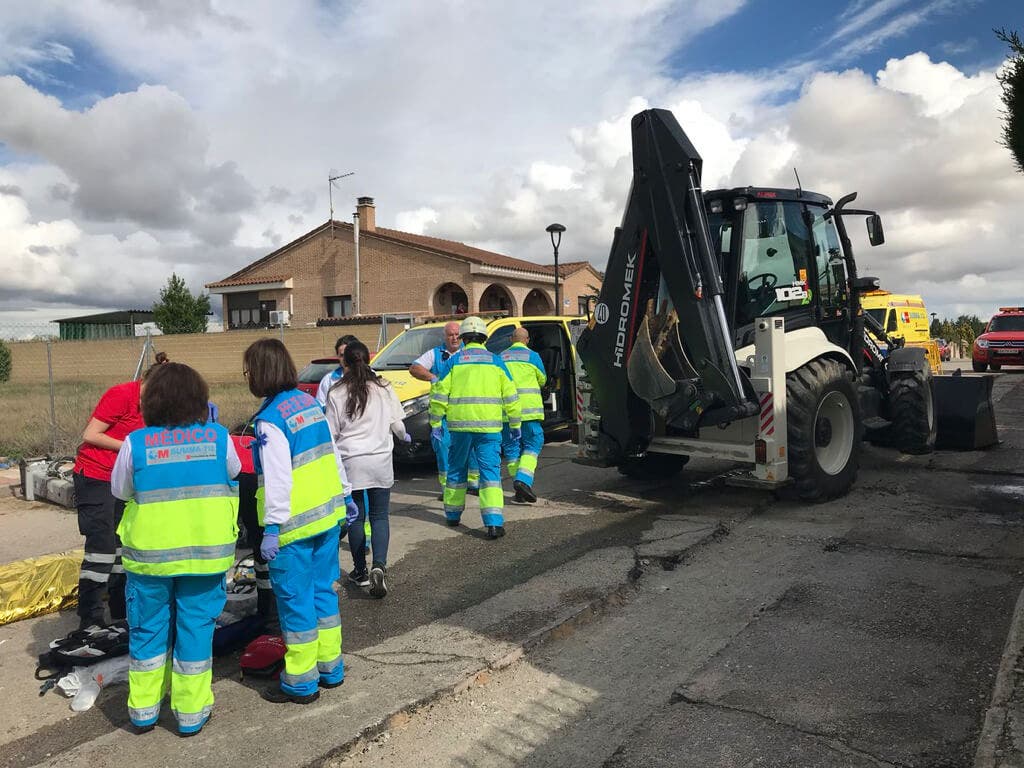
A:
(990, 752)
(557, 630)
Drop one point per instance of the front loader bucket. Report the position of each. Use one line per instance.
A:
(965, 418)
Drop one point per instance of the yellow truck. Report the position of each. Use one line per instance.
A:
(551, 337)
(903, 316)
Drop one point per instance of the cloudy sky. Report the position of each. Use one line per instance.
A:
(140, 137)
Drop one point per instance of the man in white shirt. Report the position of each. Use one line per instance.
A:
(428, 367)
(332, 377)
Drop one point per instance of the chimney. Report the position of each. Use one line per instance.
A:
(367, 214)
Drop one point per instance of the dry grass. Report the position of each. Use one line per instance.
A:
(25, 428)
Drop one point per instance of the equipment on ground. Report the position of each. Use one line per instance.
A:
(730, 326)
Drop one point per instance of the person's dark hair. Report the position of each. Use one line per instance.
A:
(473, 338)
(175, 395)
(358, 377)
(345, 340)
(269, 368)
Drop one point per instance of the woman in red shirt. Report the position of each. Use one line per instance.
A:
(99, 513)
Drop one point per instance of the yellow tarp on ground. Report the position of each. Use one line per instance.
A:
(39, 585)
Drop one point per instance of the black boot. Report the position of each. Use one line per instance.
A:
(524, 491)
(495, 531)
(275, 695)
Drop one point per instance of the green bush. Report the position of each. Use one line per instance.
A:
(5, 361)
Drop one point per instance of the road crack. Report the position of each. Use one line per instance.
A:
(830, 742)
(422, 657)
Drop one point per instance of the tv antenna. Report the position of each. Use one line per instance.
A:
(330, 193)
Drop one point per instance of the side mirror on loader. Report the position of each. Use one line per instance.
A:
(864, 284)
(876, 236)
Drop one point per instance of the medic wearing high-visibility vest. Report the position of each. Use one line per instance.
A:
(476, 395)
(178, 540)
(300, 502)
(529, 376)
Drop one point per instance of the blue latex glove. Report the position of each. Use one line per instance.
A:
(437, 433)
(515, 434)
(271, 544)
(407, 438)
(351, 511)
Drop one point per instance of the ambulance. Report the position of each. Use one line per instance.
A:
(904, 316)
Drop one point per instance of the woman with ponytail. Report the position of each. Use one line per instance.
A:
(363, 412)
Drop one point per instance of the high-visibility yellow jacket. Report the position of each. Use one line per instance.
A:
(317, 497)
(529, 376)
(180, 523)
(476, 393)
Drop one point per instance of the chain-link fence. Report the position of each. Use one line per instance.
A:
(55, 384)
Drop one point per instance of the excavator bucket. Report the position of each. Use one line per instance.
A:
(678, 363)
(965, 419)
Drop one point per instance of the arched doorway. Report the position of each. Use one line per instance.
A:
(450, 299)
(496, 298)
(536, 303)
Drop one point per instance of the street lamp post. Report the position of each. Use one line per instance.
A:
(556, 230)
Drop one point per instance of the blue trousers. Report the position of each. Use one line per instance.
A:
(442, 448)
(441, 452)
(521, 455)
(170, 646)
(487, 447)
(303, 576)
(377, 503)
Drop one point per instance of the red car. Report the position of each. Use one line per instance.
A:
(1002, 343)
(309, 377)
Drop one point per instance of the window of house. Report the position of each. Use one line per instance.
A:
(582, 305)
(245, 310)
(338, 306)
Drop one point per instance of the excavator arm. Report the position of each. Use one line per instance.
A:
(658, 342)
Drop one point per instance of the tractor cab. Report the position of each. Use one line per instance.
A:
(779, 254)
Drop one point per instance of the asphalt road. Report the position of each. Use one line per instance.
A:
(733, 629)
(863, 632)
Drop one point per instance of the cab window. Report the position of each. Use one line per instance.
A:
(891, 323)
(500, 339)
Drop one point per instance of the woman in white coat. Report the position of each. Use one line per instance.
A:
(363, 412)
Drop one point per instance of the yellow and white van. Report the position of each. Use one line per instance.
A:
(550, 337)
(904, 316)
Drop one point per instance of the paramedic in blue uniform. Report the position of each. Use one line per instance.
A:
(428, 367)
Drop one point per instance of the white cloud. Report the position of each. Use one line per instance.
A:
(474, 122)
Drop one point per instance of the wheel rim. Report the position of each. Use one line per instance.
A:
(833, 433)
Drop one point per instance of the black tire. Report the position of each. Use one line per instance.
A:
(654, 466)
(979, 367)
(822, 469)
(996, 366)
(912, 403)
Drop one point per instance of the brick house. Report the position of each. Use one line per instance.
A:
(314, 278)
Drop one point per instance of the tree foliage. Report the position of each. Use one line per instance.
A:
(178, 311)
(5, 361)
(964, 329)
(1012, 81)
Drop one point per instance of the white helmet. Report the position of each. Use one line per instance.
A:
(473, 325)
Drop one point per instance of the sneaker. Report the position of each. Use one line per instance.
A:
(378, 585)
(524, 491)
(360, 578)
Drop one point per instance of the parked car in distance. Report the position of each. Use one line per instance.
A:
(944, 350)
(1002, 343)
(309, 377)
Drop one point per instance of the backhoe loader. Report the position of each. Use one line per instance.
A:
(729, 325)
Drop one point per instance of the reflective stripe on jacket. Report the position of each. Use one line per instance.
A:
(528, 374)
(182, 519)
(317, 498)
(476, 394)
